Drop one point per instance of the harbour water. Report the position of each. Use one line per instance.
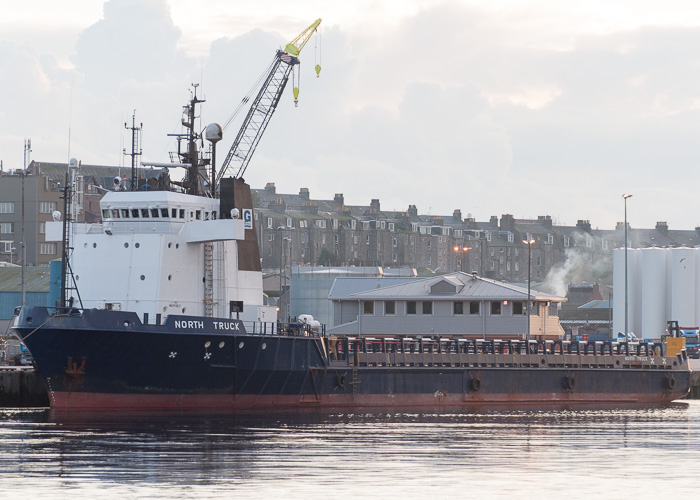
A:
(648, 452)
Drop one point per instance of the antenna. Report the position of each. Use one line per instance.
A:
(135, 136)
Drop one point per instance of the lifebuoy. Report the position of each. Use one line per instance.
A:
(651, 352)
(475, 384)
(341, 381)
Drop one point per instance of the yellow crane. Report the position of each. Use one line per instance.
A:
(265, 103)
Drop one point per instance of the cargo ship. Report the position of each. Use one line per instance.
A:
(162, 307)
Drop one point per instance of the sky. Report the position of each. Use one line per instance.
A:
(528, 107)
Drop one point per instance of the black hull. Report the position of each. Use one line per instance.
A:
(108, 359)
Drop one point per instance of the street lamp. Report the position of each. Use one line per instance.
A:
(529, 260)
(462, 249)
(625, 196)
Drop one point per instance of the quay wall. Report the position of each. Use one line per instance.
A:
(21, 386)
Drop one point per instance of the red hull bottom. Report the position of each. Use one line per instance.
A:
(95, 401)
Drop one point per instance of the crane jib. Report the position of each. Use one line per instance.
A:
(264, 105)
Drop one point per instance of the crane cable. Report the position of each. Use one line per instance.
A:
(253, 89)
(317, 52)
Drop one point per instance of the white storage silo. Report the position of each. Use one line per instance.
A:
(653, 291)
(683, 286)
(619, 289)
(697, 286)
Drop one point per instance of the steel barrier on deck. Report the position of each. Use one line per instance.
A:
(407, 351)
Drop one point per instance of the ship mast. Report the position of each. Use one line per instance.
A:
(191, 156)
(135, 133)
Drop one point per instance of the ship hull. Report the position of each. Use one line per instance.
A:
(110, 360)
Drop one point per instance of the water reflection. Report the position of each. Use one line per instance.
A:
(378, 454)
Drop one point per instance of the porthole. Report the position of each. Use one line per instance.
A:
(170, 244)
(85, 245)
(94, 245)
(126, 245)
(183, 310)
(177, 245)
(77, 277)
(207, 344)
(221, 344)
(170, 277)
(143, 277)
(137, 245)
(240, 346)
(127, 323)
(165, 308)
(264, 346)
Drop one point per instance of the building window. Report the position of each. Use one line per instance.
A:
(353, 224)
(474, 308)
(517, 266)
(389, 307)
(458, 308)
(411, 307)
(511, 237)
(335, 223)
(47, 249)
(550, 239)
(321, 223)
(518, 308)
(604, 244)
(589, 242)
(391, 226)
(269, 222)
(553, 310)
(42, 228)
(427, 307)
(367, 239)
(488, 235)
(566, 241)
(47, 207)
(496, 308)
(7, 207)
(458, 233)
(395, 242)
(7, 227)
(382, 224)
(335, 238)
(367, 307)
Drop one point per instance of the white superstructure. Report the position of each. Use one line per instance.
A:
(161, 253)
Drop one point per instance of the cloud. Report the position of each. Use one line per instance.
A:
(493, 110)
